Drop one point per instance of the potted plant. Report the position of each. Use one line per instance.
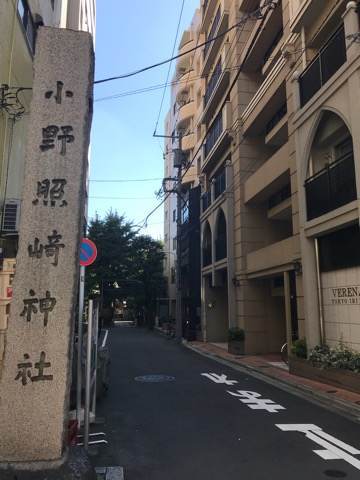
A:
(236, 341)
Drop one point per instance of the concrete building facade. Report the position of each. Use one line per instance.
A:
(276, 154)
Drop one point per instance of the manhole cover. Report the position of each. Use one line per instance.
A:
(335, 473)
(155, 378)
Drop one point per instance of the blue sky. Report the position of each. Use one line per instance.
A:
(131, 35)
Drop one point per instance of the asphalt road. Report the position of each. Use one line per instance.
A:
(192, 428)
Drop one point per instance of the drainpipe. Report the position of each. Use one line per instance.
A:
(318, 281)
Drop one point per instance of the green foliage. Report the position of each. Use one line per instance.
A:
(128, 266)
(340, 357)
(299, 348)
(236, 334)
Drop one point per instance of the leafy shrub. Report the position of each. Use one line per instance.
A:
(338, 357)
(299, 348)
(236, 334)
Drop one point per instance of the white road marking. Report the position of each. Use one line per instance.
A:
(219, 378)
(334, 449)
(253, 401)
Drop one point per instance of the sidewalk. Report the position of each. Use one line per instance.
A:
(270, 369)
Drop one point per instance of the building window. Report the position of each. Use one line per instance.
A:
(174, 215)
(174, 243)
(165, 237)
(27, 23)
(340, 249)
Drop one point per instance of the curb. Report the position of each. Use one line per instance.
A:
(341, 407)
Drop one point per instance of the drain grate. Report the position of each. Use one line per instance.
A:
(154, 378)
(335, 473)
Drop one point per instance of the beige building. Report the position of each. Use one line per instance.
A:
(181, 121)
(275, 148)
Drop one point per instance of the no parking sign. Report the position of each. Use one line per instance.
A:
(88, 252)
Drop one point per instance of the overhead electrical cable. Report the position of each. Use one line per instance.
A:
(170, 63)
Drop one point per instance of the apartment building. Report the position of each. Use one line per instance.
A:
(183, 250)
(279, 221)
(19, 20)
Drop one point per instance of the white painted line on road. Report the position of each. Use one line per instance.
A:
(219, 378)
(253, 401)
(105, 338)
(334, 449)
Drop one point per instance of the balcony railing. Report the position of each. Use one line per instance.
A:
(324, 66)
(213, 82)
(207, 260)
(205, 200)
(213, 29)
(273, 45)
(214, 133)
(220, 183)
(220, 245)
(331, 187)
(276, 118)
(280, 196)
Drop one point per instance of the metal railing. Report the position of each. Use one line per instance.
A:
(280, 196)
(213, 82)
(207, 256)
(276, 118)
(220, 183)
(212, 31)
(327, 62)
(214, 133)
(205, 200)
(220, 244)
(331, 187)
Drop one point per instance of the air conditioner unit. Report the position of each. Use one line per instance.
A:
(11, 215)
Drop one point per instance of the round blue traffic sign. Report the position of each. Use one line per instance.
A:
(88, 252)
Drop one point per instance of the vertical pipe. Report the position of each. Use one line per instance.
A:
(320, 296)
(80, 345)
(88, 377)
(96, 337)
(179, 329)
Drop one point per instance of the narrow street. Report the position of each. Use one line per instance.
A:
(192, 428)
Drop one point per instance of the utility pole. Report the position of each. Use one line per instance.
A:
(177, 190)
(178, 330)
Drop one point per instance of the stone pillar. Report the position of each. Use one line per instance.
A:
(34, 386)
(351, 27)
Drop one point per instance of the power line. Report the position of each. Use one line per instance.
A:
(124, 180)
(169, 69)
(179, 55)
(121, 198)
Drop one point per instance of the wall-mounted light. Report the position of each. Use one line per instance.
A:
(297, 268)
(235, 282)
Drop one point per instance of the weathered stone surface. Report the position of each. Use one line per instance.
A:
(76, 467)
(33, 399)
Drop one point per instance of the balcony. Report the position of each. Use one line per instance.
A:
(190, 176)
(303, 13)
(273, 258)
(264, 38)
(326, 63)
(188, 142)
(205, 201)
(216, 86)
(331, 187)
(208, 12)
(219, 25)
(220, 247)
(266, 102)
(219, 184)
(269, 177)
(184, 62)
(206, 254)
(186, 111)
(217, 138)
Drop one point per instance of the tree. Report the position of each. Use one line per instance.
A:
(147, 267)
(128, 266)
